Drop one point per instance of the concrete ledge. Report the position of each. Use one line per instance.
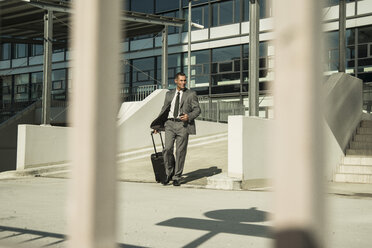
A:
(222, 181)
(33, 171)
(256, 184)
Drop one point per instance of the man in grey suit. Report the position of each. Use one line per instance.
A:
(177, 116)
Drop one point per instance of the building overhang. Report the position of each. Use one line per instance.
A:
(22, 21)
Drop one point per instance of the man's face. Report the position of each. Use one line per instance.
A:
(180, 82)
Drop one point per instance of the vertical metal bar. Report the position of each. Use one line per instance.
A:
(180, 29)
(95, 99)
(297, 152)
(241, 74)
(356, 71)
(29, 88)
(164, 58)
(47, 67)
(342, 36)
(189, 45)
(254, 30)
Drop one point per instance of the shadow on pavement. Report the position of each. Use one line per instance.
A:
(201, 173)
(39, 236)
(231, 221)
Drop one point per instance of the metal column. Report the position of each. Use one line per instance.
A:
(164, 58)
(297, 153)
(342, 36)
(47, 68)
(95, 99)
(254, 30)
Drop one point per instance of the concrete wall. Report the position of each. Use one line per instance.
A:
(343, 113)
(343, 106)
(41, 145)
(8, 138)
(134, 125)
(249, 137)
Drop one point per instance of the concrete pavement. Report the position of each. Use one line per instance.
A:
(32, 214)
(206, 157)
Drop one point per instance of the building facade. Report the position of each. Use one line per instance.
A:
(219, 56)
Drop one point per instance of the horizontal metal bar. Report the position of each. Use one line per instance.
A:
(48, 6)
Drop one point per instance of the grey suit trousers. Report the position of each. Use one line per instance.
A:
(175, 132)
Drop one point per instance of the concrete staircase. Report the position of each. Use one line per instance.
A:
(356, 166)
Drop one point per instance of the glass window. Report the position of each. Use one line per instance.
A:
(186, 2)
(226, 13)
(21, 87)
(36, 85)
(364, 60)
(246, 10)
(332, 49)
(214, 14)
(362, 51)
(37, 49)
(199, 68)
(164, 5)
(172, 30)
(266, 9)
(365, 34)
(199, 15)
(174, 65)
(225, 53)
(144, 6)
(223, 60)
(5, 51)
(20, 50)
(7, 89)
(237, 11)
(143, 71)
(59, 84)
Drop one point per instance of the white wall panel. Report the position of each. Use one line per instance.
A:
(36, 60)
(223, 31)
(141, 44)
(364, 7)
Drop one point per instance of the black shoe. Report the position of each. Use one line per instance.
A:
(166, 181)
(176, 183)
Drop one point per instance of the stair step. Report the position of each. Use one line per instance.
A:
(363, 138)
(357, 160)
(359, 152)
(366, 123)
(352, 178)
(364, 130)
(356, 169)
(360, 145)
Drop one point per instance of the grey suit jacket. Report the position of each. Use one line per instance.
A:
(189, 105)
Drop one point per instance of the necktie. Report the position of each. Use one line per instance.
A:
(176, 106)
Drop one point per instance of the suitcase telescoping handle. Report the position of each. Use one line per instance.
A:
(153, 142)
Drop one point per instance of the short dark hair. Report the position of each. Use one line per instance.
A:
(179, 74)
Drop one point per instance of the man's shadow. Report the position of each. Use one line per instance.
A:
(198, 174)
(231, 221)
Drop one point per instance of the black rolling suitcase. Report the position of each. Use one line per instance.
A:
(157, 161)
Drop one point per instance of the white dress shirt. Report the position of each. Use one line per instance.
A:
(170, 115)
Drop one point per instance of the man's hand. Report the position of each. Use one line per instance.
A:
(184, 117)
